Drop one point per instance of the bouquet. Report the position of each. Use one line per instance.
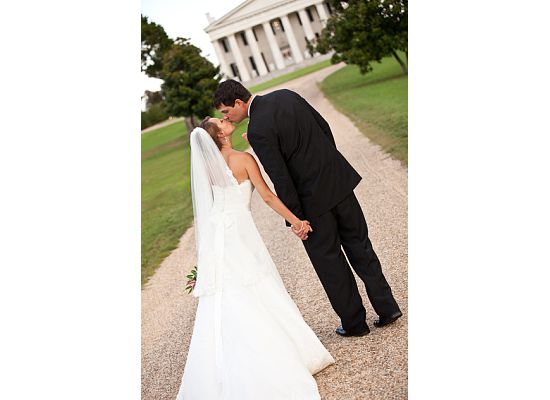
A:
(191, 280)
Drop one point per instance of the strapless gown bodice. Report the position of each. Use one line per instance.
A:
(233, 198)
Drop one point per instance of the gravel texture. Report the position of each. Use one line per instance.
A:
(371, 367)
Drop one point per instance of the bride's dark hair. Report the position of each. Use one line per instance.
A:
(212, 130)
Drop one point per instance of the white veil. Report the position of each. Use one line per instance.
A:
(208, 169)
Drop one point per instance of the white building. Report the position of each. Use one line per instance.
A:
(262, 38)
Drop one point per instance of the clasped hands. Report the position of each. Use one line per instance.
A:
(302, 229)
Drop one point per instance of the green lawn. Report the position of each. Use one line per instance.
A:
(289, 77)
(165, 194)
(376, 102)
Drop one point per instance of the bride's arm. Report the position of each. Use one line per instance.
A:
(269, 197)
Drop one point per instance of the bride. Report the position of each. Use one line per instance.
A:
(249, 340)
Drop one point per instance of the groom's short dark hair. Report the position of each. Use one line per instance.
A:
(229, 91)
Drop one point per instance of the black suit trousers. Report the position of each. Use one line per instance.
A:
(344, 227)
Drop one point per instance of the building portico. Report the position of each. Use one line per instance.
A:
(261, 38)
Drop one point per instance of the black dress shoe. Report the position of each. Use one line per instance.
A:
(382, 321)
(342, 332)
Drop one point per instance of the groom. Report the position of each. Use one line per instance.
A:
(295, 145)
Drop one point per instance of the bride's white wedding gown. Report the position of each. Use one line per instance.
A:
(250, 341)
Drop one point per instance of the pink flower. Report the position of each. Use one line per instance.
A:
(245, 136)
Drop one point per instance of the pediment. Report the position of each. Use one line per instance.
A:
(241, 12)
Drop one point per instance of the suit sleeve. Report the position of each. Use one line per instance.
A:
(323, 124)
(269, 154)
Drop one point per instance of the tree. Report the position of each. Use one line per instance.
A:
(154, 114)
(152, 98)
(189, 81)
(155, 109)
(154, 44)
(364, 31)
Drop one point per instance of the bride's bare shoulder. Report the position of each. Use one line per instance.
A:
(238, 162)
(240, 157)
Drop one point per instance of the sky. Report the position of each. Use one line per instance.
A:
(185, 18)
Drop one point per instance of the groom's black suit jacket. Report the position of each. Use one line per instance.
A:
(295, 145)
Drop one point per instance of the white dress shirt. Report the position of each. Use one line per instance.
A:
(250, 105)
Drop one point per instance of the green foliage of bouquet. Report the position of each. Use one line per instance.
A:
(191, 280)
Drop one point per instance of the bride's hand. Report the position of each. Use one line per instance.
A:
(302, 229)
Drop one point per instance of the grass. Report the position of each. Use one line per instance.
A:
(166, 210)
(376, 102)
(161, 136)
(289, 77)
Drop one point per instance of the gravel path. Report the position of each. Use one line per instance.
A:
(371, 367)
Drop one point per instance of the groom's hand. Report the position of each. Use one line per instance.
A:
(302, 230)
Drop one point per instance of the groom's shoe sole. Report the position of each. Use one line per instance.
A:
(383, 321)
(342, 332)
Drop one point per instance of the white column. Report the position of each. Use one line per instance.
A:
(255, 51)
(220, 52)
(322, 13)
(307, 29)
(275, 50)
(296, 52)
(305, 23)
(243, 71)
